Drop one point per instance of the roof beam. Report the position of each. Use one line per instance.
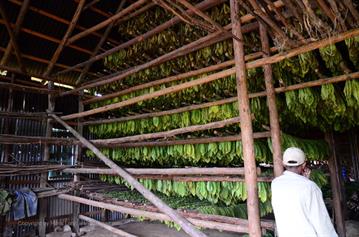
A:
(107, 21)
(58, 19)
(24, 88)
(13, 38)
(18, 71)
(136, 13)
(19, 20)
(98, 11)
(205, 17)
(46, 37)
(45, 61)
(99, 45)
(61, 46)
(203, 5)
(90, 4)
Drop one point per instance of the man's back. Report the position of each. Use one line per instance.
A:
(299, 208)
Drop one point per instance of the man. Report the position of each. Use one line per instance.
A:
(297, 202)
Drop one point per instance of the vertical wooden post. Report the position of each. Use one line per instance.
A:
(6, 154)
(335, 184)
(10, 104)
(271, 102)
(77, 157)
(246, 124)
(46, 155)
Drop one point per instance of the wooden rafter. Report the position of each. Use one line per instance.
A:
(45, 61)
(61, 46)
(90, 4)
(47, 37)
(59, 19)
(13, 38)
(203, 5)
(99, 45)
(136, 13)
(106, 22)
(19, 87)
(98, 11)
(19, 21)
(18, 71)
(205, 17)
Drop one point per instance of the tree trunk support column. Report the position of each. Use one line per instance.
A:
(273, 112)
(246, 125)
(335, 185)
(77, 158)
(46, 155)
(163, 207)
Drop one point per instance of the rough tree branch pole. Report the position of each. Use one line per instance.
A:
(185, 224)
(250, 172)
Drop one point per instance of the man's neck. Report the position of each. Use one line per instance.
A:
(294, 171)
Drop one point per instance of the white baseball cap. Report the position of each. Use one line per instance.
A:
(293, 156)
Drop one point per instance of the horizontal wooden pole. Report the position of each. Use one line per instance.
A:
(303, 49)
(165, 91)
(265, 224)
(106, 226)
(13, 139)
(170, 133)
(155, 215)
(24, 88)
(40, 115)
(17, 71)
(230, 171)
(324, 81)
(218, 178)
(160, 113)
(204, 140)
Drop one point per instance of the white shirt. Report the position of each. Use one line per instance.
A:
(299, 208)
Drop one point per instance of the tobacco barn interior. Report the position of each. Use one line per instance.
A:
(169, 117)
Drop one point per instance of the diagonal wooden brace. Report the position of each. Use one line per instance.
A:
(178, 219)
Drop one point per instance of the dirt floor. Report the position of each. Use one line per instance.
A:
(150, 229)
